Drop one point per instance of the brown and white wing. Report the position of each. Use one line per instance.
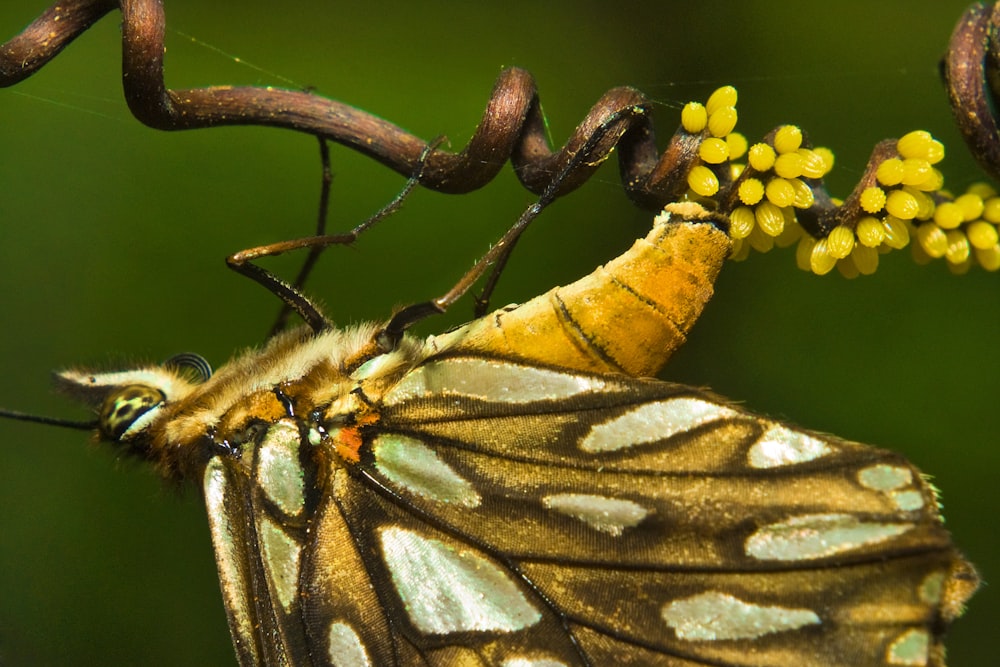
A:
(512, 515)
(518, 516)
(259, 508)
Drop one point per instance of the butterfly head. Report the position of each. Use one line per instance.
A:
(130, 404)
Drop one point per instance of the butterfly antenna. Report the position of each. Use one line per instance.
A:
(50, 421)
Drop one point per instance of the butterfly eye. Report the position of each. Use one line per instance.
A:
(123, 408)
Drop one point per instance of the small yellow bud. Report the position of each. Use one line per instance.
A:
(751, 191)
(761, 157)
(935, 152)
(820, 260)
(737, 145)
(915, 171)
(792, 231)
(957, 251)
(972, 206)
(933, 182)
(722, 121)
(984, 190)
(896, 234)
(721, 97)
(991, 209)
(827, 155)
(948, 215)
(703, 181)
(932, 240)
(804, 197)
(872, 199)
(982, 235)
(813, 164)
(741, 221)
(870, 232)
(921, 145)
(865, 258)
(925, 203)
(694, 118)
(741, 250)
(713, 150)
(787, 139)
(902, 205)
(840, 242)
(890, 172)
(769, 218)
(803, 252)
(780, 192)
(788, 165)
(760, 241)
(989, 258)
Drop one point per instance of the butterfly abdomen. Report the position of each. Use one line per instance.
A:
(656, 289)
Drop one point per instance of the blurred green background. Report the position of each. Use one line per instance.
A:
(112, 239)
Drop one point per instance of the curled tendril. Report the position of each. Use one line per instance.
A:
(971, 68)
(512, 126)
(899, 195)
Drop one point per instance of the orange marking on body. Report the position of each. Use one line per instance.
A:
(367, 418)
(261, 406)
(348, 445)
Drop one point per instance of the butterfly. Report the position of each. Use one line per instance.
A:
(512, 493)
(551, 363)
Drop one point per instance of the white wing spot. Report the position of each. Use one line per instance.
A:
(532, 662)
(884, 477)
(279, 473)
(490, 380)
(893, 480)
(281, 555)
(445, 590)
(652, 422)
(717, 616)
(608, 515)
(818, 536)
(910, 648)
(908, 501)
(782, 446)
(346, 649)
(412, 465)
(932, 587)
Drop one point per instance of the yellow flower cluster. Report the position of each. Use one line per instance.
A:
(900, 199)
(772, 187)
(716, 119)
(963, 230)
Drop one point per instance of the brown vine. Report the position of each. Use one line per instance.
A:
(971, 69)
(512, 126)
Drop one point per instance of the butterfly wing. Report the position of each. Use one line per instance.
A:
(640, 522)
(504, 514)
(260, 507)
